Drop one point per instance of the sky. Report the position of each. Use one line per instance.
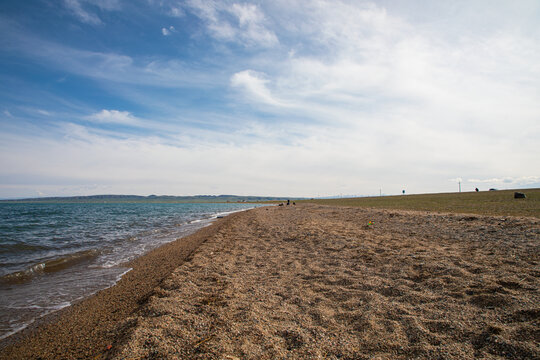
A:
(279, 98)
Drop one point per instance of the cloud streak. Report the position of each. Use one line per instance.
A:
(115, 117)
(110, 66)
(89, 17)
(77, 9)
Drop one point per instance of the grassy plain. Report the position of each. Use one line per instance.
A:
(500, 202)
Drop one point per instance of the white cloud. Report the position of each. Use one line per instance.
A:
(115, 117)
(367, 61)
(168, 31)
(176, 12)
(254, 84)
(7, 113)
(251, 23)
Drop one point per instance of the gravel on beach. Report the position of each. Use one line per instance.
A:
(310, 281)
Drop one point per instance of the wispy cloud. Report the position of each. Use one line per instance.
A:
(516, 181)
(251, 23)
(83, 156)
(110, 67)
(106, 4)
(79, 9)
(176, 11)
(234, 22)
(43, 112)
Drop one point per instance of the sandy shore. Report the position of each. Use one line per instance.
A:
(318, 282)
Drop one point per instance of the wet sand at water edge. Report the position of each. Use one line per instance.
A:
(311, 281)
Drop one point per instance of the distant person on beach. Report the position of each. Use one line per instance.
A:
(288, 202)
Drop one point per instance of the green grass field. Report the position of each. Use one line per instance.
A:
(500, 202)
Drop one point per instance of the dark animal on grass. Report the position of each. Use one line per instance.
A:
(519, 195)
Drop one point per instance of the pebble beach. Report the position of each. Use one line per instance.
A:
(312, 281)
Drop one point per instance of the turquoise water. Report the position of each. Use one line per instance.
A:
(54, 254)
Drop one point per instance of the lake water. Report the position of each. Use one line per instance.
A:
(54, 254)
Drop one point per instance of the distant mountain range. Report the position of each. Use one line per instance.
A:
(149, 199)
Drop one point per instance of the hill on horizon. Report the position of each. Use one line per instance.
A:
(148, 199)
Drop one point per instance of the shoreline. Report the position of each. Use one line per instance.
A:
(80, 274)
(87, 327)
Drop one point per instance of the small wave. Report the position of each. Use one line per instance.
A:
(225, 213)
(49, 266)
(34, 307)
(15, 328)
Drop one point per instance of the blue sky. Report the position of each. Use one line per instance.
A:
(290, 98)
